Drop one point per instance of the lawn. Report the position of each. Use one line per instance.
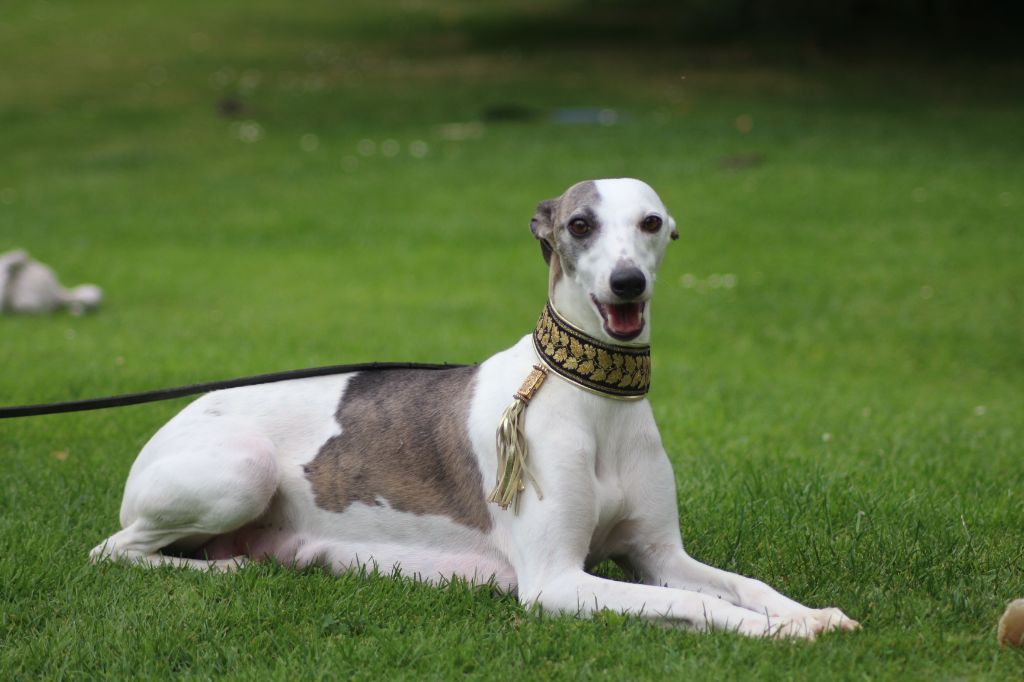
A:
(838, 335)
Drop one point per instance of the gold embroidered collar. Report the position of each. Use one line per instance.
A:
(614, 371)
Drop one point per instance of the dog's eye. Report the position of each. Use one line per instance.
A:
(651, 223)
(579, 227)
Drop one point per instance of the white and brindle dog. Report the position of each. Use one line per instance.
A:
(387, 468)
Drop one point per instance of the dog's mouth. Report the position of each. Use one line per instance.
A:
(623, 321)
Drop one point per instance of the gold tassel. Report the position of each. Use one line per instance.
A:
(512, 447)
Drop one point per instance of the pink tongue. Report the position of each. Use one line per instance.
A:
(625, 318)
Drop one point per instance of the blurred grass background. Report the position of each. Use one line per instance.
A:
(262, 186)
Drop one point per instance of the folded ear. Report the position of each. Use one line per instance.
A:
(543, 227)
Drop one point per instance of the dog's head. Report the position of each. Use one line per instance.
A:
(604, 240)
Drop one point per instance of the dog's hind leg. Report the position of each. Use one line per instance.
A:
(198, 478)
(140, 544)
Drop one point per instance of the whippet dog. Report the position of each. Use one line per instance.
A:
(391, 469)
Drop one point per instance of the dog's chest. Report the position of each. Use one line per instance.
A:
(616, 437)
(610, 505)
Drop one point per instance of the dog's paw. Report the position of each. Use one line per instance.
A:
(812, 622)
(792, 628)
(100, 553)
(776, 628)
(827, 620)
(807, 624)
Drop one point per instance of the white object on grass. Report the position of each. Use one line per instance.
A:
(1011, 625)
(28, 286)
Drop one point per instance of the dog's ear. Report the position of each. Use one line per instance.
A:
(543, 227)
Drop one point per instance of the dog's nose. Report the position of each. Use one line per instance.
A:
(628, 282)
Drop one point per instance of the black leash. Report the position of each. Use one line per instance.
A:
(180, 391)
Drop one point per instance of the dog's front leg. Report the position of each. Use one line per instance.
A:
(579, 593)
(651, 541)
(549, 543)
(670, 566)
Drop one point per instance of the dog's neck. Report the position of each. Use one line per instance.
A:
(574, 305)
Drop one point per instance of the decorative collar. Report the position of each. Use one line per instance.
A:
(614, 371)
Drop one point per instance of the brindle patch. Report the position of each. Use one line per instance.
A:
(548, 225)
(403, 439)
(582, 194)
(578, 201)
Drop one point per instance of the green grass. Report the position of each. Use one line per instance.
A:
(844, 420)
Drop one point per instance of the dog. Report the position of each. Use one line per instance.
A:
(30, 287)
(389, 469)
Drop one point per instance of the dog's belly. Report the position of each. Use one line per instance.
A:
(432, 549)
